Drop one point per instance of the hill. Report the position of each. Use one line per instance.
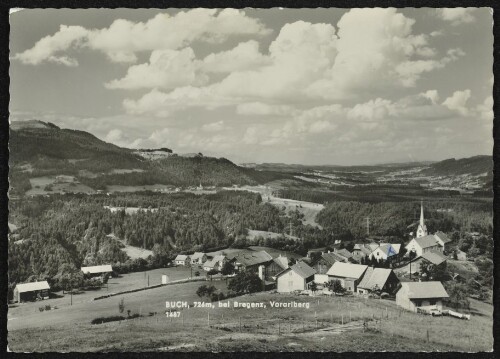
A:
(474, 166)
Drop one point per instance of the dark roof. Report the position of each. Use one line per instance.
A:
(375, 277)
(427, 241)
(254, 258)
(303, 269)
(344, 252)
(434, 257)
(332, 257)
(442, 236)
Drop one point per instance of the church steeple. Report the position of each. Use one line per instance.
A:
(422, 228)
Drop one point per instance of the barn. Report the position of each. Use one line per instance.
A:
(31, 291)
(97, 271)
(348, 274)
(182, 260)
(424, 295)
(381, 279)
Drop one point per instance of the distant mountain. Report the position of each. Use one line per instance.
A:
(474, 166)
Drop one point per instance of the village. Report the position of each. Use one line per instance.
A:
(371, 270)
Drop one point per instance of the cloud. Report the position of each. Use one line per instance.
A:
(45, 49)
(373, 110)
(213, 127)
(457, 102)
(244, 56)
(431, 95)
(263, 109)
(456, 16)
(485, 109)
(166, 69)
(123, 39)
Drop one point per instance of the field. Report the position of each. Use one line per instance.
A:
(39, 186)
(329, 324)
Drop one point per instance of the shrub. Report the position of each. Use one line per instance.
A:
(101, 320)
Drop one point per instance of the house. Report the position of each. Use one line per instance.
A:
(461, 255)
(431, 257)
(296, 277)
(325, 262)
(216, 263)
(344, 253)
(361, 251)
(424, 295)
(198, 258)
(381, 279)
(31, 291)
(314, 252)
(251, 260)
(182, 260)
(97, 271)
(384, 251)
(277, 265)
(442, 239)
(349, 274)
(423, 244)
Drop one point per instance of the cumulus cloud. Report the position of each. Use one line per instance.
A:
(431, 95)
(485, 109)
(457, 16)
(457, 102)
(244, 56)
(166, 69)
(123, 39)
(213, 127)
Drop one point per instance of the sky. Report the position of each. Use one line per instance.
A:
(308, 86)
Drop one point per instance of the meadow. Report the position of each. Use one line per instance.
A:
(329, 324)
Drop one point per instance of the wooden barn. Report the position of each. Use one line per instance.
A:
(424, 295)
(31, 291)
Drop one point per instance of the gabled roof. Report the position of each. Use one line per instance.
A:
(427, 241)
(375, 277)
(197, 255)
(106, 268)
(254, 258)
(434, 257)
(332, 257)
(344, 252)
(442, 236)
(388, 249)
(29, 287)
(347, 270)
(181, 257)
(281, 261)
(301, 269)
(213, 262)
(424, 290)
(372, 246)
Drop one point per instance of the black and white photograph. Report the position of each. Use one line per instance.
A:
(250, 180)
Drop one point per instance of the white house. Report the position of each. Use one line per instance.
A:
(424, 295)
(348, 274)
(182, 260)
(385, 251)
(216, 263)
(296, 277)
(198, 258)
(423, 244)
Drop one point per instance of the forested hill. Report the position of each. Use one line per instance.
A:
(474, 166)
(43, 149)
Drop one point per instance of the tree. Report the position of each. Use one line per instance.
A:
(245, 282)
(212, 272)
(201, 291)
(335, 286)
(227, 268)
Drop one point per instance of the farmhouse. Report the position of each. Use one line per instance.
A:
(97, 271)
(424, 295)
(442, 239)
(198, 258)
(182, 260)
(323, 263)
(344, 253)
(216, 263)
(384, 251)
(31, 291)
(361, 251)
(296, 277)
(349, 274)
(251, 260)
(382, 279)
(276, 266)
(423, 244)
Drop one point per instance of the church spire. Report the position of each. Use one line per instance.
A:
(422, 228)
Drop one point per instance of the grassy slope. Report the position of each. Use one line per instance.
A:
(401, 331)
